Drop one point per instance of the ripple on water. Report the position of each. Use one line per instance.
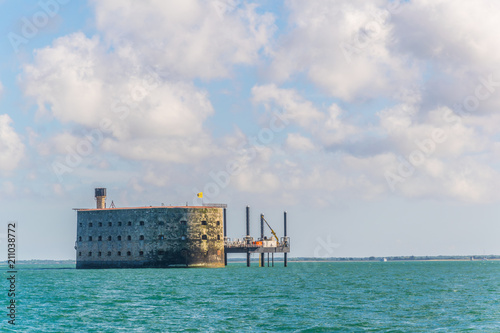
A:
(305, 297)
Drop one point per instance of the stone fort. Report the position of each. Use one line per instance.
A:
(145, 237)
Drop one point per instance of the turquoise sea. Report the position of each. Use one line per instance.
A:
(304, 297)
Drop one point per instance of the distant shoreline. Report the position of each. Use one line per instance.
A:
(382, 259)
(308, 259)
(400, 260)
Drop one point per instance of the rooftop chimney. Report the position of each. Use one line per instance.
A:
(100, 196)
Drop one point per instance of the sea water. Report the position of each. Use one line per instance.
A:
(303, 297)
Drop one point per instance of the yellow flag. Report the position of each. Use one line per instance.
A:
(200, 195)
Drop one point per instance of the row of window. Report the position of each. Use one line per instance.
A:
(141, 237)
(110, 224)
(119, 253)
(129, 223)
(99, 238)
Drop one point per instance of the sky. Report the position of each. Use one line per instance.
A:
(374, 124)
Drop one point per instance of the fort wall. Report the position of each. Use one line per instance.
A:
(150, 237)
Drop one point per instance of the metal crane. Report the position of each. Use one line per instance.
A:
(272, 231)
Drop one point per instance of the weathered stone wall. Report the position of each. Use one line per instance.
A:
(150, 237)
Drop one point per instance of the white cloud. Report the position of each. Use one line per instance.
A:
(257, 180)
(289, 102)
(138, 74)
(66, 77)
(335, 130)
(460, 37)
(443, 142)
(463, 179)
(446, 156)
(344, 48)
(138, 114)
(457, 42)
(11, 146)
(355, 50)
(328, 126)
(407, 130)
(299, 142)
(191, 39)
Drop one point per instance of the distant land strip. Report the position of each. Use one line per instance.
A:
(393, 258)
(304, 259)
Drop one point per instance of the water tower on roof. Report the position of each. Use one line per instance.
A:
(100, 196)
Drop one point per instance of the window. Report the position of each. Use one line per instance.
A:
(119, 253)
(204, 237)
(109, 253)
(183, 222)
(79, 254)
(141, 237)
(203, 222)
(129, 223)
(90, 238)
(141, 223)
(129, 237)
(141, 253)
(109, 238)
(99, 238)
(119, 237)
(98, 254)
(80, 238)
(90, 254)
(119, 224)
(81, 224)
(218, 237)
(110, 224)
(218, 222)
(100, 224)
(90, 225)
(161, 237)
(129, 253)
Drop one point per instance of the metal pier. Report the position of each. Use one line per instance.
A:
(261, 246)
